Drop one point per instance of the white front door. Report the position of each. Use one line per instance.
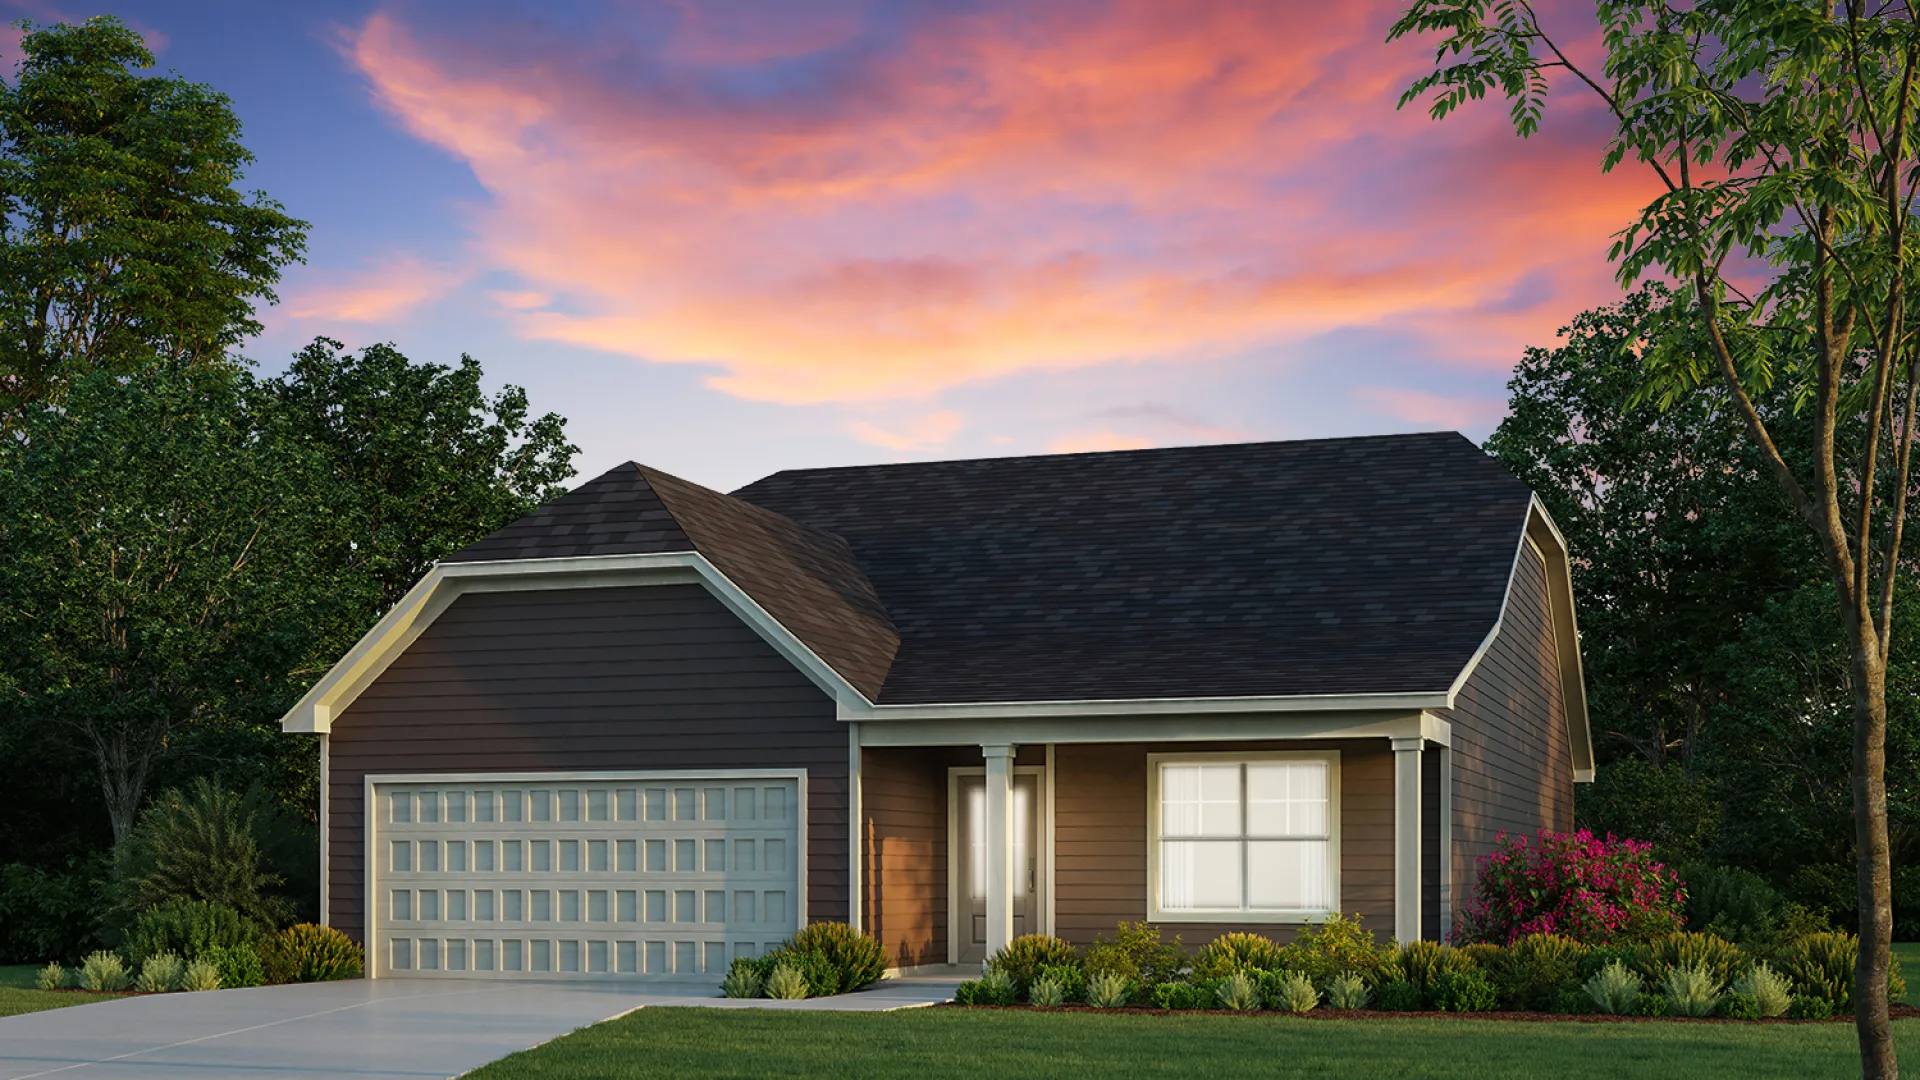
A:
(968, 839)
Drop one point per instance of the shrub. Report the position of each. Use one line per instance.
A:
(1293, 992)
(1615, 989)
(1651, 1005)
(1717, 956)
(1347, 990)
(1821, 965)
(1399, 996)
(1691, 991)
(104, 972)
(1573, 1002)
(1239, 992)
(1419, 962)
(1532, 972)
(1024, 957)
(1109, 990)
(1046, 993)
(1727, 900)
(744, 979)
(201, 844)
(160, 973)
(202, 974)
(1462, 991)
(1072, 979)
(1808, 1007)
(786, 983)
(1229, 953)
(309, 953)
(239, 965)
(1770, 990)
(1337, 945)
(191, 928)
(51, 915)
(1177, 996)
(823, 978)
(1136, 954)
(52, 977)
(1577, 885)
(857, 959)
(1739, 1006)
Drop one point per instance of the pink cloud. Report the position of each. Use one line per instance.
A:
(1098, 439)
(1433, 410)
(929, 432)
(391, 289)
(1000, 189)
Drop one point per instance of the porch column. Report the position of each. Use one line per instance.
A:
(1406, 839)
(1446, 838)
(999, 845)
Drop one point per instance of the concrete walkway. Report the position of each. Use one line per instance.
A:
(390, 1029)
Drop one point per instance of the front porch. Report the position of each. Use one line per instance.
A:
(959, 848)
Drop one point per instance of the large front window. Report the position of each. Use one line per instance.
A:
(1251, 837)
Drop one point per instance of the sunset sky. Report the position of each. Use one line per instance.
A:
(728, 238)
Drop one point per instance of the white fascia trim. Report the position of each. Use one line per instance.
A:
(446, 582)
(1108, 728)
(1195, 706)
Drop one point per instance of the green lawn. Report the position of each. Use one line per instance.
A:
(1909, 954)
(930, 1044)
(17, 993)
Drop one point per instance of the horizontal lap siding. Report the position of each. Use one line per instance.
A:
(1512, 761)
(577, 680)
(903, 796)
(1100, 836)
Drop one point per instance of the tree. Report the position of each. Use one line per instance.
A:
(122, 238)
(1781, 135)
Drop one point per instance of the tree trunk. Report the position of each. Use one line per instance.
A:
(1874, 870)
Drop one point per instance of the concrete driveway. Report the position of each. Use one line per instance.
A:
(385, 1030)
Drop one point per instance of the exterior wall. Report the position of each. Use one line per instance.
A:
(1430, 796)
(634, 677)
(1512, 755)
(1100, 836)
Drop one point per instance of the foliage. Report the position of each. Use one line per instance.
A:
(1616, 989)
(1720, 958)
(1806, 1007)
(1347, 990)
(1591, 889)
(1336, 945)
(743, 980)
(1179, 996)
(200, 975)
(857, 959)
(1026, 956)
(104, 971)
(1399, 996)
(1738, 1006)
(308, 953)
(786, 983)
(201, 845)
(1290, 991)
(124, 241)
(1676, 809)
(1136, 953)
(1822, 966)
(51, 977)
(160, 972)
(1236, 952)
(1239, 992)
(1109, 990)
(1462, 991)
(1651, 1005)
(1420, 962)
(1531, 973)
(239, 965)
(1072, 979)
(1046, 992)
(1573, 1001)
(1772, 992)
(997, 988)
(191, 928)
(46, 914)
(1692, 991)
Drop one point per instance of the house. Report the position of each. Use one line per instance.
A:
(651, 727)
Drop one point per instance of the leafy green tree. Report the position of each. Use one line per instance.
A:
(1781, 134)
(202, 844)
(122, 238)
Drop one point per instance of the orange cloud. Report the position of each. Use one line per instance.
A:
(995, 190)
(1098, 439)
(929, 432)
(393, 288)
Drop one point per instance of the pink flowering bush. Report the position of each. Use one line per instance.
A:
(1577, 885)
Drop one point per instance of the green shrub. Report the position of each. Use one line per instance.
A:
(1808, 1007)
(1109, 990)
(857, 959)
(202, 974)
(202, 844)
(51, 915)
(744, 979)
(1347, 990)
(51, 977)
(1026, 956)
(1720, 958)
(1399, 996)
(190, 928)
(1419, 962)
(1136, 954)
(309, 953)
(823, 978)
(1462, 991)
(1336, 945)
(1727, 900)
(1229, 953)
(160, 973)
(1071, 977)
(1531, 973)
(1291, 991)
(1691, 991)
(1239, 992)
(1046, 993)
(239, 965)
(1572, 1002)
(1770, 990)
(1179, 996)
(1821, 966)
(1739, 1006)
(1616, 989)
(1651, 1005)
(104, 972)
(1599, 957)
(786, 983)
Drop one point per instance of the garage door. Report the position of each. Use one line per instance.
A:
(583, 877)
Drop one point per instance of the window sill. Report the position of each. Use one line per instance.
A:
(1277, 918)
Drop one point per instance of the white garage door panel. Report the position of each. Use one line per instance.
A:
(583, 876)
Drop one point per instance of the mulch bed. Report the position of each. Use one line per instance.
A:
(1897, 1012)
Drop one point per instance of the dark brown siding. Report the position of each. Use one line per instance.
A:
(1430, 927)
(1512, 762)
(903, 796)
(1100, 836)
(640, 677)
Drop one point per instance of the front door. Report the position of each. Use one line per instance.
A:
(969, 845)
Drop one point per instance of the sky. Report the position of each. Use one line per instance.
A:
(726, 238)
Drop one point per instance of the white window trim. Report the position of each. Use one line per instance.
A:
(1154, 911)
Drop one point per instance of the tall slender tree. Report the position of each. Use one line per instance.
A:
(1781, 135)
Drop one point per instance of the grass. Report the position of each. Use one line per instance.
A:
(1909, 954)
(931, 1044)
(18, 995)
